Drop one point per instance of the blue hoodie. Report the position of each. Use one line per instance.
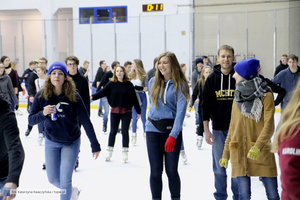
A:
(66, 128)
(168, 108)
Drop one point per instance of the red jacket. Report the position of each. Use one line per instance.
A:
(289, 161)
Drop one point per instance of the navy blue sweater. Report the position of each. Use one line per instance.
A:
(66, 128)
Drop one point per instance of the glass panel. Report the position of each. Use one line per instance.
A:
(120, 13)
(85, 14)
(103, 15)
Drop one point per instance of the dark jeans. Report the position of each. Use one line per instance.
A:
(157, 156)
(114, 125)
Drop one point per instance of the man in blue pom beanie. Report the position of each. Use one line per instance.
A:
(250, 132)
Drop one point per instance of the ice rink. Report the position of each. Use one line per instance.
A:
(114, 180)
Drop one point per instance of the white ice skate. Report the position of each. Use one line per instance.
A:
(125, 154)
(199, 141)
(109, 153)
(75, 193)
(183, 156)
(133, 138)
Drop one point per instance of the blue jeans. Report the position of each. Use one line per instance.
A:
(156, 154)
(220, 172)
(106, 109)
(270, 184)
(143, 99)
(2, 183)
(60, 162)
(196, 107)
(94, 90)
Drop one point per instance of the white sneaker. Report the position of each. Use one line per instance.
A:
(109, 153)
(133, 138)
(40, 138)
(199, 141)
(75, 193)
(183, 156)
(125, 155)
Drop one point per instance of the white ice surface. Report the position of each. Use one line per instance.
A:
(114, 180)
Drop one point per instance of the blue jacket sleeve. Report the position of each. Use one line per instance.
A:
(36, 114)
(180, 114)
(87, 125)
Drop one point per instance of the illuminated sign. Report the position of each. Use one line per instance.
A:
(153, 7)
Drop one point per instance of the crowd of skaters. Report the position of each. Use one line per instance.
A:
(232, 96)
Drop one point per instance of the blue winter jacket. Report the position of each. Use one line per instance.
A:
(168, 108)
(66, 129)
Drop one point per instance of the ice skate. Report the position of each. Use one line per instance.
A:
(75, 193)
(125, 154)
(199, 141)
(40, 138)
(183, 156)
(133, 138)
(109, 153)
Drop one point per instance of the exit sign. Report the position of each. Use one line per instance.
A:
(153, 7)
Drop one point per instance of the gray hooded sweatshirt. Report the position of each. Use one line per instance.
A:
(6, 89)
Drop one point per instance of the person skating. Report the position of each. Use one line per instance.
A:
(169, 94)
(62, 110)
(251, 127)
(121, 97)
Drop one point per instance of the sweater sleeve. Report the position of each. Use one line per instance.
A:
(194, 96)
(87, 125)
(36, 114)
(12, 92)
(208, 98)
(102, 92)
(181, 105)
(14, 148)
(135, 100)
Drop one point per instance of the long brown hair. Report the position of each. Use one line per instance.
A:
(140, 71)
(115, 78)
(178, 78)
(68, 89)
(290, 118)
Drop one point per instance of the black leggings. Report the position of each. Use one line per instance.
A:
(114, 125)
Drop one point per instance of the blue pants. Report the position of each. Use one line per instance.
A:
(196, 107)
(270, 184)
(143, 99)
(220, 172)
(156, 154)
(3, 191)
(60, 162)
(94, 90)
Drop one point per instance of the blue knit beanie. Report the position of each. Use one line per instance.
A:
(58, 65)
(248, 69)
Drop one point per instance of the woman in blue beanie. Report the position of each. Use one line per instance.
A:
(61, 109)
(248, 141)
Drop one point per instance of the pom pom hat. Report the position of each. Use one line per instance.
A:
(248, 69)
(58, 65)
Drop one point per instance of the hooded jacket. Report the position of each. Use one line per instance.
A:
(170, 107)
(218, 94)
(7, 90)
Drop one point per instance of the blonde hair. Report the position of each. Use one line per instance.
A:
(68, 89)
(140, 71)
(43, 68)
(290, 118)
(178, 78)
(201, 80)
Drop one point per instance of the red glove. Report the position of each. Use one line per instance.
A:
(170, 144)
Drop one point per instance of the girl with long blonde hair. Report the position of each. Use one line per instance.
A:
(138, 78)
(287, 143)
(169, 94)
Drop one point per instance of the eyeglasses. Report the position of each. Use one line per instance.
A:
(71, 64)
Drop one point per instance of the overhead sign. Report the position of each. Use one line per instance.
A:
(153, 7)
